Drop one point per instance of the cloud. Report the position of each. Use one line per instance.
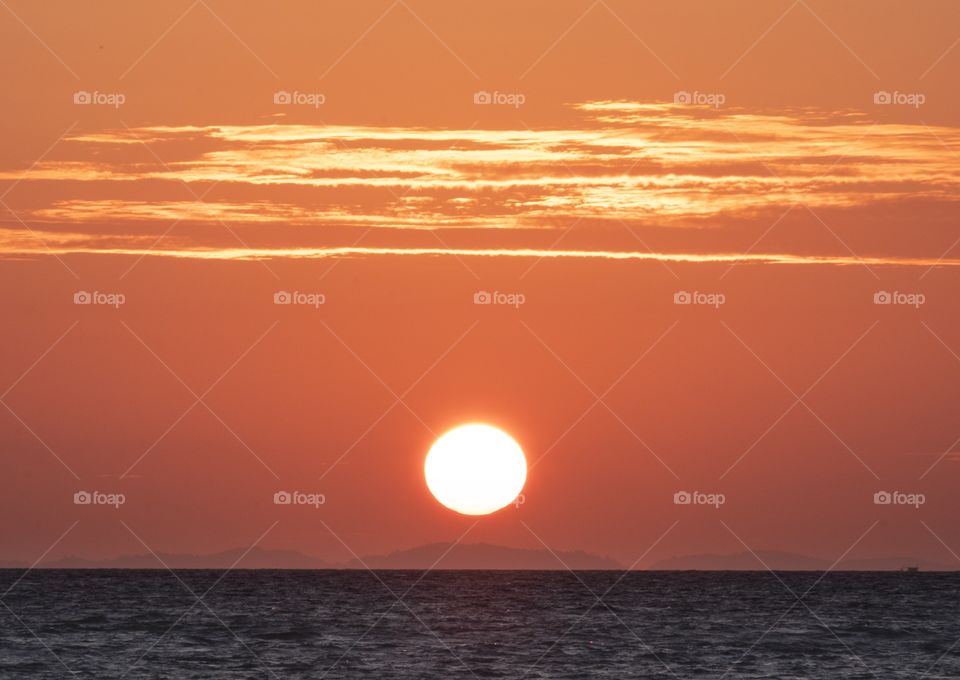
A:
(645, 166)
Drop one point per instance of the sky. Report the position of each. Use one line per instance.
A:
(720, 240)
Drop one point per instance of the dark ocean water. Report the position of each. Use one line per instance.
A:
(323, 624)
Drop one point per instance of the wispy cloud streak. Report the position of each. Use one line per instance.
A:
(643, 165)
(80, 243)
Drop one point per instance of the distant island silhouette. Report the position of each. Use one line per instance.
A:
(483, 556)
(762, 560)
(434, 555)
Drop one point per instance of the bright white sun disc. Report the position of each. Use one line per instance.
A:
(475, 469)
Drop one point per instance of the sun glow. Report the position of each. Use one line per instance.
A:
(475, 469)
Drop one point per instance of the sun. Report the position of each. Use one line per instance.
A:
(475, 469)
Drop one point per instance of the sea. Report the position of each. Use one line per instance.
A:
(289, 624)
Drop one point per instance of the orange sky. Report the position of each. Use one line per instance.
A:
(790, 186)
